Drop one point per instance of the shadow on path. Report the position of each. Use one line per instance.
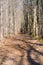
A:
(30, 60)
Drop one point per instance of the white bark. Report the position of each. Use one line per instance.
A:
(1, 20)
(35, 25)
(6, 22)
(11, 17)
(19, 18)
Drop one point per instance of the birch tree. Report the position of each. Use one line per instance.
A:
(19, 17)
(1, 19)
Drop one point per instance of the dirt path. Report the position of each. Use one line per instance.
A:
(19, 50)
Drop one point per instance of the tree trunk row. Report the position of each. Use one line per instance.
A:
(21, 16)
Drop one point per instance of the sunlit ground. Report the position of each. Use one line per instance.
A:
(19, 50)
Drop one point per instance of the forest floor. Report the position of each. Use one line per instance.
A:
(21, 50)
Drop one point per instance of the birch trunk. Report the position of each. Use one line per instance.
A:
(19, 17)
(35, 24)
(6, 22)
(1, 20)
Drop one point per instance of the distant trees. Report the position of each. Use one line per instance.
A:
(35, 17)
(21, 16)
(40, 22)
